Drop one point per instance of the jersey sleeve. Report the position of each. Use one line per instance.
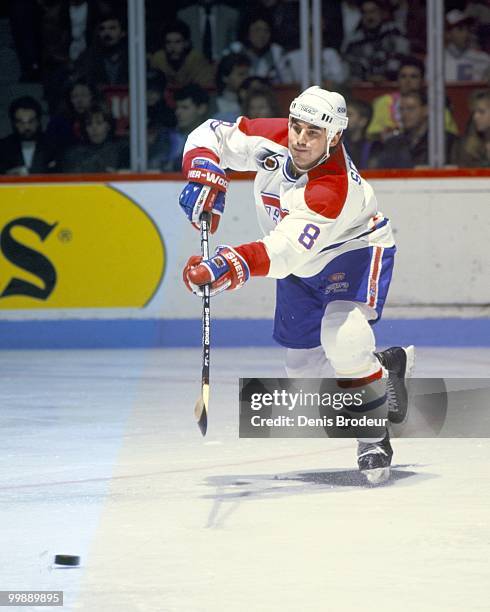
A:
(233, 145)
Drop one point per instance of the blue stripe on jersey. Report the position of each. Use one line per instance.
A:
(337, 244)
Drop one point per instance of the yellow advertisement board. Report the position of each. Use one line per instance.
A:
(76, 246)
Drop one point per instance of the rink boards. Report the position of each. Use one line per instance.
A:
(99, 264)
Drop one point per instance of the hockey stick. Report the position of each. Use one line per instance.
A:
(201, 408)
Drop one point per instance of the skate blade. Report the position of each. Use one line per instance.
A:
(410, 355)
(377, 476)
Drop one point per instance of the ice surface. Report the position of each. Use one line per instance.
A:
(101, 457)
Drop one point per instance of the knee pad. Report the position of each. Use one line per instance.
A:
(306, 363)
(348, 340)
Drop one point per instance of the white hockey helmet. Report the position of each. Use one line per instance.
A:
(322, 108)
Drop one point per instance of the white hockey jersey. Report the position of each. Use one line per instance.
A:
(306, 221)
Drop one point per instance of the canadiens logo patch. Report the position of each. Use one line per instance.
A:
(269, 160)
(336, 277)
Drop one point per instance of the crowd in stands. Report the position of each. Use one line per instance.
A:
(207, 58)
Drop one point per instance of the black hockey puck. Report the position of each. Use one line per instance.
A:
(67, 560)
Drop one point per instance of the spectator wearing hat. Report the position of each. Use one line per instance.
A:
(479, 10)
(461, 61)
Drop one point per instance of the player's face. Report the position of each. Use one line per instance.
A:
(306, 142)
(481, 115)
(409, 79)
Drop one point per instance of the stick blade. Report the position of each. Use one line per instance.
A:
(201, 410)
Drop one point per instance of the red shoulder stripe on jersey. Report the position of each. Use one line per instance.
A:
(197, 152)
(273, 129)
(255, 254)
(326, 190)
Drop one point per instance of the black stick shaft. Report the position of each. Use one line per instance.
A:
(206, 302)
(201, 409)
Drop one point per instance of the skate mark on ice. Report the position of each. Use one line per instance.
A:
(354, 478)
(233, 488)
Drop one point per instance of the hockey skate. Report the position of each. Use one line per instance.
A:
(374, 460)
(399, 362)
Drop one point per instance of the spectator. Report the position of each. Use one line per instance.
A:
(64, 128)
(479, 10)
(461, 62)
(474, 149)
(351, 18)
(159, 112)
(284, 18)
(410, 148)
(99, 150)
(252, 84)
(213, 26)
(106, 61)
(334, 70)
(266, 58)
(233, 69)
(364, 152)
(179, 62)
(261, 105)
(67, 28)
(26, 150)
(386, 108)
(377, 46)
(192, 107)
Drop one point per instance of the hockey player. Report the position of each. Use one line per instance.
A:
(325, 242)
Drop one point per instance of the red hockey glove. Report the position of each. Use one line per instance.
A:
(227, 270)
